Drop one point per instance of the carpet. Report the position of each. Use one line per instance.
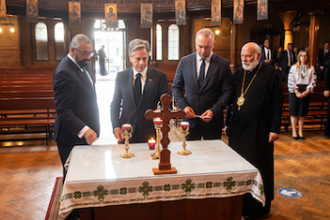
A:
(54, 203)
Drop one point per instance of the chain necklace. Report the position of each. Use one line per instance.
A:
(241, 99)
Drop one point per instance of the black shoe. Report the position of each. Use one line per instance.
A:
(302, 138)
(295, 138)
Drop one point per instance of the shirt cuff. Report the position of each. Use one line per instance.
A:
(83, 131)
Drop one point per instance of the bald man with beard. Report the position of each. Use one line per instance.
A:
(254, 121)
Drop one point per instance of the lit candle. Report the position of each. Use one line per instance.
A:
(184, 125)
(158, 121)
(151, 143)
(126, 127)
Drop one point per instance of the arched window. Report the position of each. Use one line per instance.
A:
(59, 41)
(41, 36)
(159, 43)
(173, 42)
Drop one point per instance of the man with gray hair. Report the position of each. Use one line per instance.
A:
(254, 121)
(137, 89)
(207, 80)
(77, 114)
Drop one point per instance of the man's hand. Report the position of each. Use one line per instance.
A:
(280, 68)
(207, 116)
(90, 136)
(189, 112)
(118, 135)
(273, 136)
(326, 93)
(322, 67)
(267, 61)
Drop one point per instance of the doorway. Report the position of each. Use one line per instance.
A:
(114, 41)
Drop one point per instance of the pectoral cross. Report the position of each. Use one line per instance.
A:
(164, 165)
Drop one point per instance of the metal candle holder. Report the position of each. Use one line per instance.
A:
(184, 132)
(127, 133)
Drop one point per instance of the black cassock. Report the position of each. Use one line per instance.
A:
(102, 57)
(250, 126)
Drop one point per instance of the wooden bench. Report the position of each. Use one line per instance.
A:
(27, 115)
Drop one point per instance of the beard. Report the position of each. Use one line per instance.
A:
(82, 63)
(249, 66)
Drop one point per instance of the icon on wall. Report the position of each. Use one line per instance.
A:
(146, 15)
(262, 10)
(238, 11)
(3, 11)
(180, 12)
(216, 12)
(110, 13)
(74, 14)
(32, 11)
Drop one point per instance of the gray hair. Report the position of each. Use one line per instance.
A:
(255, 45)
(76, 40)
(138, 44)
(206, 32)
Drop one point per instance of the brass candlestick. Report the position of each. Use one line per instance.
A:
(184, 132)
(156, 155)
(127, 134)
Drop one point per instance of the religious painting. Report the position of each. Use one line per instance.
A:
(110, 13)
(238, 11)
(216, 12)
(146, 15)
(74, 14)
(262, 10)
(32, 11)
(180, 12)
(3, 11)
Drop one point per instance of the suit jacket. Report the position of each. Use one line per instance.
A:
(124, 110)
(283, 60)
(321, 59)
(273, 54)
(75, 103)
(215, 92)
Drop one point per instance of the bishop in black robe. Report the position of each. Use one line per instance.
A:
(250, 127)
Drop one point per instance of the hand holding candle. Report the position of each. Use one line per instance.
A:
(151, 143)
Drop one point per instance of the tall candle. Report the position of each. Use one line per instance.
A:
(126, 127)
(184, 125)
(158, 121)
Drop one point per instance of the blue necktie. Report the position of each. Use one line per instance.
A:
(87, 76)
(201, 74)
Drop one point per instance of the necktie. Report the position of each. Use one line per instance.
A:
(325, 53)
(87, 76)
(137, 88)
(201, 74)
(267, 54)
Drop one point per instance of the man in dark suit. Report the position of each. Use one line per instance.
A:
(324, 54)
(286, 60)
(208, 88)
(268, 55)
(137, 89)
(77, 114)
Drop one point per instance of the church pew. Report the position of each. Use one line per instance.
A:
(33, 115)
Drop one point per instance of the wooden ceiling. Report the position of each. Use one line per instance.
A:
(51, 7)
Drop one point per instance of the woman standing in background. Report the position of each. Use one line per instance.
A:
(301, 82)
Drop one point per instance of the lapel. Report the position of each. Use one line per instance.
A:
(194, 71)
(80, 74)
(129, 85)
(148, 82)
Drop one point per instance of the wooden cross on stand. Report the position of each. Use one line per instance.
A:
(164, 165)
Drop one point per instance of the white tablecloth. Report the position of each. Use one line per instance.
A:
(98, 176)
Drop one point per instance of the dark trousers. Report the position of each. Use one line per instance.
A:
(64, 152)
(209, 131)
(327, 126)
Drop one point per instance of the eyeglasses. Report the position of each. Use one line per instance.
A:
(86, 53)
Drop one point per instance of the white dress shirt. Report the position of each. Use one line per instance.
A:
(199, 61)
